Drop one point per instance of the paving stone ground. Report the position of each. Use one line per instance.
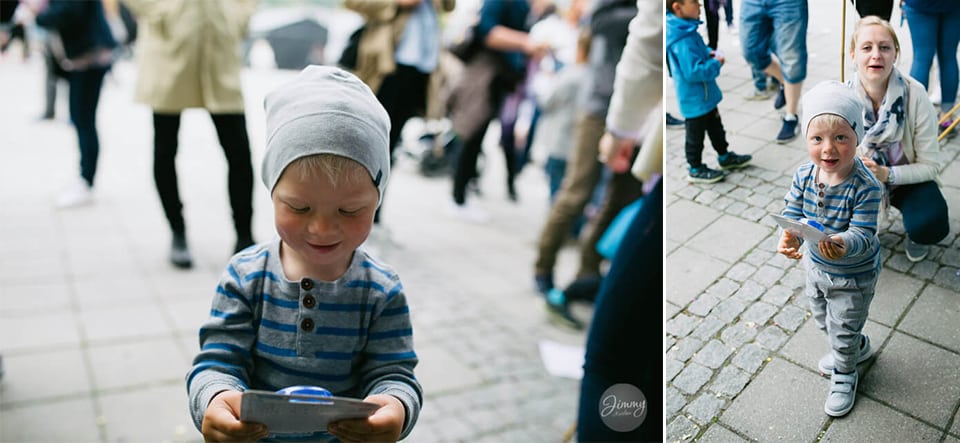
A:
(740, 346)
(97, 330)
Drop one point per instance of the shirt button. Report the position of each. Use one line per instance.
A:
(306, 284)
(307, 324)
(309, 302)
(820, 204)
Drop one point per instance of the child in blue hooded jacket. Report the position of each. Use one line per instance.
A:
(694, 68)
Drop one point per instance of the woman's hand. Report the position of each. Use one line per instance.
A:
(616, 152)
(882, 173)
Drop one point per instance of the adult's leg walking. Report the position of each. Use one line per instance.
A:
(403, 95)
(232, 132)
(84, 97)
(948, 39)
(582, 174)
(923, 33)
(50, 81)
(622, 189)
(466, 168)
(166, 128)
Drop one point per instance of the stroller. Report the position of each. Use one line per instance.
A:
(430, 143)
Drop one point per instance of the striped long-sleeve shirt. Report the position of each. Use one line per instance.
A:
(848, 209)
(352, 336)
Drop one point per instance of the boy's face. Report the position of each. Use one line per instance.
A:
(832, 146)
(321, 223)
(874, 53)
(689, 9)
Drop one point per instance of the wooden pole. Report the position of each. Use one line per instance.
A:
(945, 117)
(843, 36)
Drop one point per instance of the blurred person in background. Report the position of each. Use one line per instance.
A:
(935, 30)
(623, 350)
(188, 53)
(86, 54)
(609, 20)
(398, 57)
(493, 72)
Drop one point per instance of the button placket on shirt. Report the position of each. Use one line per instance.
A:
(309, 302)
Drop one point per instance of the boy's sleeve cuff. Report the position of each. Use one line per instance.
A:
(409, 399)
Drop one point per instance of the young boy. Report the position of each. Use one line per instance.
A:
(312, 307)
(694, 68)
(836, 190)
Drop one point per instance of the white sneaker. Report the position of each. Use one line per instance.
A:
(77, 193)
(468, 212)
(842, 395)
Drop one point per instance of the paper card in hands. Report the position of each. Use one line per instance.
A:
(285, 414)
(800, 229)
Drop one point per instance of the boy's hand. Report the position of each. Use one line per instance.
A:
(718, 55)
(384, 425)
(832, 247)
(789, 245)
(221, 421)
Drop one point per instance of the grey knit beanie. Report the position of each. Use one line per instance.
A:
(326, 110)
(833, 97)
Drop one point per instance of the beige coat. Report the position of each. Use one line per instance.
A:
(385, 23)
(188, 53)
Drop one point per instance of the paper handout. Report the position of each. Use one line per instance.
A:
(807, 232)
(285, 414)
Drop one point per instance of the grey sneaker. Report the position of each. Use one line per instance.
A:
(825, 365)
(759, 94)
(843, 392)
(915, 251)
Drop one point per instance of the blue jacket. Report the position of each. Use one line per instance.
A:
(82, 26)
(693, 70)
(512, 14)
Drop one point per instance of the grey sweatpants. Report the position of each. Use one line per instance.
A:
(840, 306)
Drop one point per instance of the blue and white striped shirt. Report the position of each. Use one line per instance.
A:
(352, 336)
(849, 209)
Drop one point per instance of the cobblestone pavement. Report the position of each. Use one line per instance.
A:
(740, 345)
(97, 330)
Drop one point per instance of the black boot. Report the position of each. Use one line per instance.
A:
(179, 253)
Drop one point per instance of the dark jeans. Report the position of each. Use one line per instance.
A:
(710, 124)
(403, 95)
(84, 97)
(232, 132)
(624, 341)
(924, 211)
